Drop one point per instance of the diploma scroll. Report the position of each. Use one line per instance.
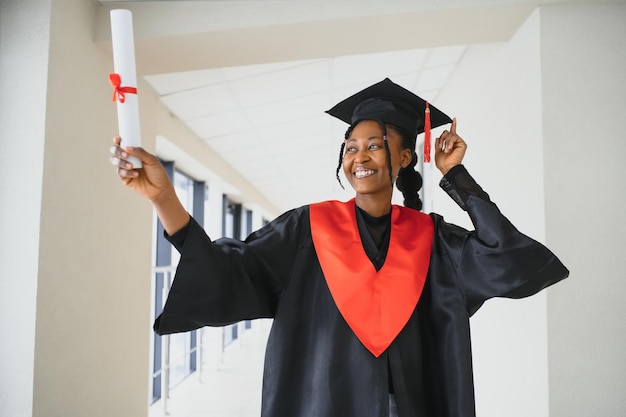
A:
(124, 80)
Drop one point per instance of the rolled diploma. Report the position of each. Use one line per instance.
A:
(124, 64)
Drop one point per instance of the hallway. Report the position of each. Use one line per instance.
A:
(232, 391)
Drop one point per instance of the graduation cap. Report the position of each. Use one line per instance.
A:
(390, 103)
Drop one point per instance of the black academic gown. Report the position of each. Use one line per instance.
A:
(314, 364)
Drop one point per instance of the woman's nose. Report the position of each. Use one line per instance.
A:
(361, 155)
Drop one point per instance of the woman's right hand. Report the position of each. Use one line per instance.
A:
(151, 181)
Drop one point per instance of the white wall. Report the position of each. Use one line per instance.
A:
(24, 67)
(496, 95)
(583, 53)
(557, 146)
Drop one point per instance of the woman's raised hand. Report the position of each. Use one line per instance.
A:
(449, 149)
(151, 181)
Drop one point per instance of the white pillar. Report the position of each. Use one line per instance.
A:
(24, 44)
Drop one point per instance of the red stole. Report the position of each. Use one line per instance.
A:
(375, 304)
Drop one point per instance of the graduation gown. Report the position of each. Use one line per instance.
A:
(315, 366)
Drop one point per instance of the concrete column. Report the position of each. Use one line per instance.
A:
(95, 248)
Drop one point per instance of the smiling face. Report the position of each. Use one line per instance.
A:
(365, 161)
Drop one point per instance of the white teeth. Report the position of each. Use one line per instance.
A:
(362, 173)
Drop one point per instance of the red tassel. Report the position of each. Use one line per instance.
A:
(427, 134)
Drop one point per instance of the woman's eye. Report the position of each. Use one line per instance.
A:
(350, 149)
(374, 146)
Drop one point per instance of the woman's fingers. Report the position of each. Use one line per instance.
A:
(118, 155)
(453, 127)
(447, 139)
(444, 141)
(118, 152)
(121, 163)
(126, 173)
(449, 142)
(140, 153)
(122, 153)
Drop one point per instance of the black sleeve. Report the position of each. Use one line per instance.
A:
(178, 239)
(494, 260)
(459, 185)
(226, 281)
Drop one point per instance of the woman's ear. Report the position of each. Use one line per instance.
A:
(405, 157)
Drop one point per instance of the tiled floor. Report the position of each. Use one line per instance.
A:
(233, 390)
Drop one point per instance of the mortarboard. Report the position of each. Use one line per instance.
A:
(390, 103)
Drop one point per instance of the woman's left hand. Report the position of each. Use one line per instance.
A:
(449, 149)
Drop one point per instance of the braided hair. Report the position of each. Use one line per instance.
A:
(343, 146)
(409, 181)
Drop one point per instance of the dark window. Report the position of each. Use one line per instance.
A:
(181, 352)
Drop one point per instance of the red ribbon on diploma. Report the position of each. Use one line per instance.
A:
(119, 92)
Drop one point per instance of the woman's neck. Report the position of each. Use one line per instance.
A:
(374, 206)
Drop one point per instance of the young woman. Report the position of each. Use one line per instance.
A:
(371, 301)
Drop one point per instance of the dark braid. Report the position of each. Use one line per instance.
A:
(343, 147)
(409, 180)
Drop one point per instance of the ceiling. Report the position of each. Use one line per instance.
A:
(267, 119)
